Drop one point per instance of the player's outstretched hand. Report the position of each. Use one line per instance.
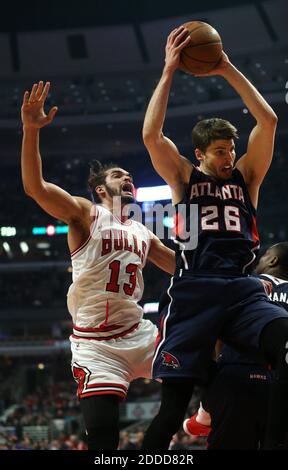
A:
(32, 111)
(176, 41)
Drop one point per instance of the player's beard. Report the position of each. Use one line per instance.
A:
(215, 171)
(114, 192)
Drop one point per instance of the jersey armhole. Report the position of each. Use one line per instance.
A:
(95, 215)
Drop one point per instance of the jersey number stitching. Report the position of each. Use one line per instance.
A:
(210, 218)
(114, 286)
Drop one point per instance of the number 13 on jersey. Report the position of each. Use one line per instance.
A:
(128, 287)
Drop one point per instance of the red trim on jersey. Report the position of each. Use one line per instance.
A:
(73, 253)
(255, 233)
(107, 392)
(102, 328)
(107, 385)
(122, 222)
(105, 338)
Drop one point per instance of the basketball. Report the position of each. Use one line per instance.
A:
(204, 51)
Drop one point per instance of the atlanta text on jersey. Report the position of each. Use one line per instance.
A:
(228, 191)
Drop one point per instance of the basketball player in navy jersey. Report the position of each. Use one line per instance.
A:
(211, 295)
(237, 398)
(111, 342)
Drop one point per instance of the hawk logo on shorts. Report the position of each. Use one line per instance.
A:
(169, 360)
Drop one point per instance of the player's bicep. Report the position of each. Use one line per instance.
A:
(59, 203)
(256, 162)
(167, 160)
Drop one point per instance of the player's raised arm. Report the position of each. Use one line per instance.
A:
(255, 163)
(167, 161)
(50, 197)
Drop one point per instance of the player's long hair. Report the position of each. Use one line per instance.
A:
(97, 176)
(208, 130)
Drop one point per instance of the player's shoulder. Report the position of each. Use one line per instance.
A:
(138, 225)
(83, 202)
(275, 280)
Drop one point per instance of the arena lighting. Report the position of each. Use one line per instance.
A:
(151, 307)
(24, 247)
(43, 245)
(39, 230)
(168, 222)
(61, 229)
(153, 193)
(6, 247)
(8, 231)
(50, 230)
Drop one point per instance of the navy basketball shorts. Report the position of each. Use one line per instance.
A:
(238, 403)
(202, 309)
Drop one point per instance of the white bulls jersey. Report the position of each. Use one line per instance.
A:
(107, 278)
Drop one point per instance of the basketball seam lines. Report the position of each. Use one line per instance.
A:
(197, 60)
(203, 44)
(196, 29)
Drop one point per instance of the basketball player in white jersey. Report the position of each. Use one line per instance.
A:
(111, 343)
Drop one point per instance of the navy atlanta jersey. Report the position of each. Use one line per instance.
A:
(279, 292)
(228, 240)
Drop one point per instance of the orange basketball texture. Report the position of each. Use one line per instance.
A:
(204, 51)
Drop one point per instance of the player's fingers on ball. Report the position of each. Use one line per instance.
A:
(181, 36)
(171, 35)
(183, 43)
(180, 31)
(176, 31)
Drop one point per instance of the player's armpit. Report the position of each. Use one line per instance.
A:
(167, 161)
(256, 162)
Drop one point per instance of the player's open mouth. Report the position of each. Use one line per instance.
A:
(227, 169)
(128, 188)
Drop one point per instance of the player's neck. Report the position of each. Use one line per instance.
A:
(279, 273)
(206, 171)
(120, 212)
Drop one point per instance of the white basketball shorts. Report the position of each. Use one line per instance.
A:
(108, 367)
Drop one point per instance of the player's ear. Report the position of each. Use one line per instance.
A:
(273, 261)
(100, 190)
(199, 155)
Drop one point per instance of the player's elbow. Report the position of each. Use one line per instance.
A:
(32, 190)
(147, 136)
(150, 137)
(271, 118)
(27, 189)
